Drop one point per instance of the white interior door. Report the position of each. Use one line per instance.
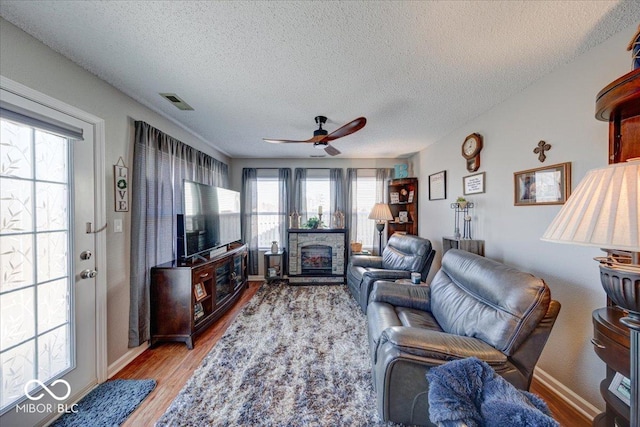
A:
(48, 289)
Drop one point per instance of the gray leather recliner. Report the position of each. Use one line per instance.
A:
(403, 255)
(474, 306)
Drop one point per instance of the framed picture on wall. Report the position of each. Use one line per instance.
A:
(548, 185)
(473, 184)
(438, 186)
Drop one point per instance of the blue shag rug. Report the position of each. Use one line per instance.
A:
(107, 405)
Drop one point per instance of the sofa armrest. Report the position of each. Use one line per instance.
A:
(439, 346)
(374, 275)
(401, 295)
(366, 261)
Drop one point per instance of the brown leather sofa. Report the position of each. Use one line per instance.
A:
(473, 307)
(403, 255)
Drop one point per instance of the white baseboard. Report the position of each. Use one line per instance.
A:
(126, 358)
(256, 278)
(566, 394)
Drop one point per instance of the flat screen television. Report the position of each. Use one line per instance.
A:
(211, 219)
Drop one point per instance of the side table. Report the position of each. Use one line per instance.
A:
(469, 245)
(274, 265)
(611, 343)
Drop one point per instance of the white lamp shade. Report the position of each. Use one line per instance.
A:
(602, 211)
(381, 212)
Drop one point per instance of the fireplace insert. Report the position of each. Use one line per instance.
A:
(316, 259)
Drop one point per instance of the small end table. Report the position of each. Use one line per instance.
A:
(469, 245)
(274, 265)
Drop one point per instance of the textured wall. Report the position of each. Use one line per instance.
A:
(559, 109)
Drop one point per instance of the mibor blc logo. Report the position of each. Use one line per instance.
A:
(35, 396)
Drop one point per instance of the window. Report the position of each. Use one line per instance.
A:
(268, 200)
(318, 194)
(36, 283)
(364, 197)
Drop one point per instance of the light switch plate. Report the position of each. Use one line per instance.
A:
(117, 226)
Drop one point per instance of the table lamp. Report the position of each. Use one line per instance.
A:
(604, 211)
(381, 213)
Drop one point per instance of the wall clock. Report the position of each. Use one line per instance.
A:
(471, 151)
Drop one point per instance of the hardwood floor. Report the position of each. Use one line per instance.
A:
(172, 364)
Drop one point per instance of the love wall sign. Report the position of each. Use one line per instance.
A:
(121, 186)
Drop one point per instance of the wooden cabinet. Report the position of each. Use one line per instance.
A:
(619, 104)
(187, 297)
(403, 197)
(611, 343)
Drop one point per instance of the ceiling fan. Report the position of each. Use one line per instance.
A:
(322, 138)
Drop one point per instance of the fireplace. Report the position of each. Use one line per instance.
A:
(315, 259)
(316, 256)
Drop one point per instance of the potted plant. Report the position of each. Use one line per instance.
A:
(313, 223)
(462, 202)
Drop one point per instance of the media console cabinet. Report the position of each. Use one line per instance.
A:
(187, 297)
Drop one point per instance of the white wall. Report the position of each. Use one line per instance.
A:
(560, 110)
(28, 61)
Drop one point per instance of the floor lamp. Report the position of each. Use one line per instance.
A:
(381, 213)
(604, 211)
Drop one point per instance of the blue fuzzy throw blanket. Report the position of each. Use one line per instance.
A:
(469, 391)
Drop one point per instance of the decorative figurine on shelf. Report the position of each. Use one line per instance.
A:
(294, 220)
(404, 195)
(634, 47)
(338, 220)
(274, 247)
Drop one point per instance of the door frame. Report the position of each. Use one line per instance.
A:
(100, 219)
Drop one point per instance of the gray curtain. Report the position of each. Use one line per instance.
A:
(383, 175)
(351, 215)
(160, 164)
(336, 188)
(284, 208)
(300, 193)
(249, 211)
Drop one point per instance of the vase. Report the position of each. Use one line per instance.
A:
(274, 247)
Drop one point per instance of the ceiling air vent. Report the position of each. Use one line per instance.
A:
(175, 100)
(318, 155)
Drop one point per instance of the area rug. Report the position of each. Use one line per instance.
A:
(107, 405)
(295, 356)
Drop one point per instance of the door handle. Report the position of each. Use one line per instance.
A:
(88, 274)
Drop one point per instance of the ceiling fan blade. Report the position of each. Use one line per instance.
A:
(347, 129)
(332, 151)
(285, 141)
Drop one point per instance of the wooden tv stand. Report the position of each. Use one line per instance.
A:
(188, 297)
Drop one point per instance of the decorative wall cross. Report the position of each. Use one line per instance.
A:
(540, 149)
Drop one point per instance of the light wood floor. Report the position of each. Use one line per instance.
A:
(171, 365)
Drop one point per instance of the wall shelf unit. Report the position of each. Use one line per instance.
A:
(403, 197)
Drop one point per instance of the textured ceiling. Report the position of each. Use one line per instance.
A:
(415, 70)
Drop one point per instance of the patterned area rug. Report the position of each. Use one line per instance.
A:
(108, 405)
(295, 356)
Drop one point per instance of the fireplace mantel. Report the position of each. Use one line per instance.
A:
(336, 239)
